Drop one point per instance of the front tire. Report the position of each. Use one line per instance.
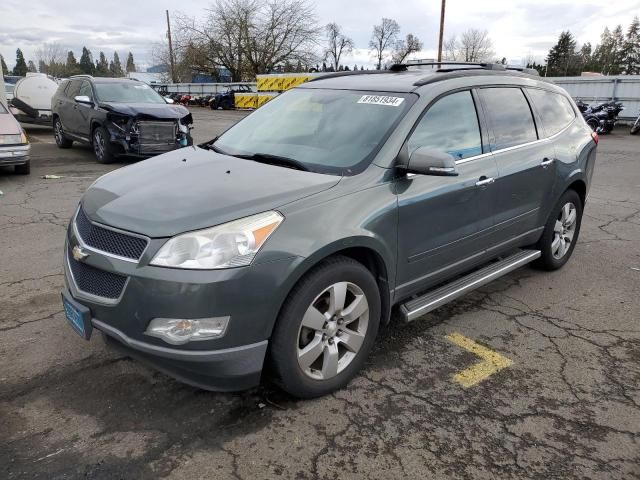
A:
(58, 134)
(636, 127)
(326, 328)
(24, 169)
(561, 232)
(594, 124)
(101, 145)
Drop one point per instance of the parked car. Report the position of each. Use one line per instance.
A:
(226, 99)
(14, 145)
(118, 116)
(287, 241)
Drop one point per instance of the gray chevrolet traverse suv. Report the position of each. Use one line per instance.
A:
(282, 245)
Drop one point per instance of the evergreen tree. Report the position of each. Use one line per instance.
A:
(630, 53)
(615, 67)
(5, 70)
(115, 68)
(562, 59)
(21, 66)
(102, 67)
(131, 66)
(32, 66)
(86, 64)
(72, 67)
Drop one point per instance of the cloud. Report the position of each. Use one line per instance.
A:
(518, 28)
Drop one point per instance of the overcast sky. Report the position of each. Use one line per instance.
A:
(517, 27)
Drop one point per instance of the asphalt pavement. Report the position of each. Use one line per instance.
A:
(561, 398)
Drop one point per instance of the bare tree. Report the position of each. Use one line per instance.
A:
(406, 47)
(473, 46)
(53, 57)
(337, 44)
(249, 37)
(383, 38)
(476, 46)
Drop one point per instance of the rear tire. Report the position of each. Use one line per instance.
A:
(226, 104)
(561, 232)
(593, 124)
(102, 146)
(24, 169)
(636, 127)
(58, 134)
(326, 328)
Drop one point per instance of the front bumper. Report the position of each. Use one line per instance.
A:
(14, 155)
(250, 296)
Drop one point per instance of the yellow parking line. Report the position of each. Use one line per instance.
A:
(492, 362)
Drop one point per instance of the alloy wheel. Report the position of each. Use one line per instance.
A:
(98, 143)
(57, 132)
(564, 230)
(332, 331)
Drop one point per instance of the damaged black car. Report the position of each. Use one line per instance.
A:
(118, 117)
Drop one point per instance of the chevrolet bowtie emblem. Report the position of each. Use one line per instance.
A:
(78, 253)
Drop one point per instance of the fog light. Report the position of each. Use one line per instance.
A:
(177, 331)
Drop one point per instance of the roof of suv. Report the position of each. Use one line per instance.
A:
(404, 80)
(103, 79)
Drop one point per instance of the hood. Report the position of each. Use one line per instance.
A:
(9, 125)
(154, 110)
(192, 188)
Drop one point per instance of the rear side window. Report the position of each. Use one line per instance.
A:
(85, 89)
(509, 117)
(554, 110)
(450, 125)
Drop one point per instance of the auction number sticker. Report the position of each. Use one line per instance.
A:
(381, 100)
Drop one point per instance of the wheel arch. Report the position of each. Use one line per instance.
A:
(580, 187)
(362, 250)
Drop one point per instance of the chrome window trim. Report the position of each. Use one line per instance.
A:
(81, 294)
(107, 227)
(515, 147)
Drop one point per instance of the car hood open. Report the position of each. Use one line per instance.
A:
(151, 110)
(193, 188)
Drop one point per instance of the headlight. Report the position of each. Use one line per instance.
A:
(232, 244)
(16, 139)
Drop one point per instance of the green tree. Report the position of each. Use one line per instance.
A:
(72, 67)
(86, 64)
(21, 66)
(630, 52)
(563, 60)
(102, 67)
(5, 70)
(115, 68)
(131, 66)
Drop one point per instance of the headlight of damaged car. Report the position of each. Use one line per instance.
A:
(232, 244)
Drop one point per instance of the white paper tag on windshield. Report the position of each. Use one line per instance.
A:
(381, 100)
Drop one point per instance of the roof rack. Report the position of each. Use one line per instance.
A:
(81, 75)
(401, 67)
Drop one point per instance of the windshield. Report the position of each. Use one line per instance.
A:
(329, 131)
(127, 92)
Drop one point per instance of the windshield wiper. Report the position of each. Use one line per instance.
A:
(270, 159)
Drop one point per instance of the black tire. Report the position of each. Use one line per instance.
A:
(24, 169)
(101, 145)
(287, 372)
(593, 124)
(226, 104)
(549, 261)
(636, 127)
(58, 134)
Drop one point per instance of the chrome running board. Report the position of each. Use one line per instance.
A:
(417, 307)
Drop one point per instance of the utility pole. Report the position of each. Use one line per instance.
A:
(171, 61)
(441, 31)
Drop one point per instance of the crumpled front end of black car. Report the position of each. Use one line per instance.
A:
(144, 136)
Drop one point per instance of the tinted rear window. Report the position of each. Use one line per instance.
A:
(554, 110)
(73, 88)
(509, 117)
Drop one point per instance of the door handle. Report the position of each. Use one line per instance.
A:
(546, 162)
(485, 181)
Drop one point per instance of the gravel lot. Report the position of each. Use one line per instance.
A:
(568, 407)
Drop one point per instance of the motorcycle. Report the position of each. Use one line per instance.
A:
(602, 117)
(635, 127)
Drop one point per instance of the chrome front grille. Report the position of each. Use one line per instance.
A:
(95, 282)
(107, 240)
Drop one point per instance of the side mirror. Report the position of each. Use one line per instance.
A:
(168, 100)
(427, 161)
(83, 99)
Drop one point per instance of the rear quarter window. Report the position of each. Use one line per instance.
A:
(509, 117)
(554, 110)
